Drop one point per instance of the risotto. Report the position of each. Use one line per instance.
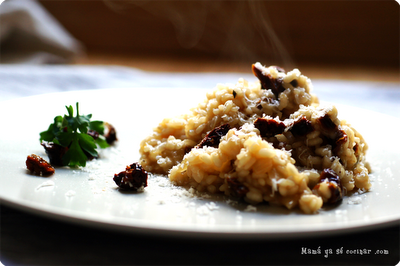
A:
(265, 141)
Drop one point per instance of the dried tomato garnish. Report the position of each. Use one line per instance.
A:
(110, 133)
(269, 127)
(236, 188)
(133, 178)
(268, 82)
(301, 127)
(213, 138)
(39, 166)
(334, 185)
(55, 152)
(326, 122)
(336, 136)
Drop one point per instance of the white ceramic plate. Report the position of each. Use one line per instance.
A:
(89, 195)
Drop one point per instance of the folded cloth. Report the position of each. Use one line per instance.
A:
(29, 34)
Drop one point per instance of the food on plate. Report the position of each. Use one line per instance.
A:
(38, 166)
(264, 141)
(72, 140)
(133, 178)
(110, 134)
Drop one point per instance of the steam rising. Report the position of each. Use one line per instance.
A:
(268, 34)
(216, 26)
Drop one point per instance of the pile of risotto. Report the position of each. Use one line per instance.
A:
(265, 141)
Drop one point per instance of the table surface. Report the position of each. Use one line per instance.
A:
(29, 239)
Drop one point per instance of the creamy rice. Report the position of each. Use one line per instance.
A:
(281, 146)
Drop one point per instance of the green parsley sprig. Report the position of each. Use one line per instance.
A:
(72, 132)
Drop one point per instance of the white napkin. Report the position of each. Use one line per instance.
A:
(31, 35)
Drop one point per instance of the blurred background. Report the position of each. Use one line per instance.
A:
(330, 39)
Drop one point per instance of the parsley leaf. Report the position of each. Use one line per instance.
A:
(74, 155)
(72, 132)
(97, 126)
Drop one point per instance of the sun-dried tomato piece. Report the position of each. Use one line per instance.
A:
(336, 136)
(236, 188)
(110, 133)
(55, 152)
(133, 178)
(326, 122)
(301, 127)
(331, 175)
(39, 166)
(213, 138)
(341, 138)
(335, 186)
(268, 82)
(269, 127)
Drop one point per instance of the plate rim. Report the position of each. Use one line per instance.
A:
(186, 233)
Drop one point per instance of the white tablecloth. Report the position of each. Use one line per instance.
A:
(26, 80)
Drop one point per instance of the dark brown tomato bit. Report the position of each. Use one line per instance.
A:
(39, 166)
(331, 175)
(236, 188)
(341, 138)
(327, 123)
(301, 127)
(356, 149)
(187, 149)
(336, 136)
(334, 184)
(268, 82)
(133, 178)
(269, 127)
(110, 133)
(55, 152)
(294, 83)
(259, 106)
(213, 138)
